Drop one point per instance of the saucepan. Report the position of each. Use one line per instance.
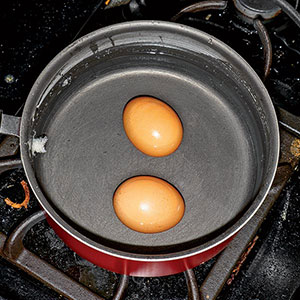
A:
(75, 152)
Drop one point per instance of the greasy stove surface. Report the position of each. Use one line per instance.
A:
(273, 267)
(33, 32)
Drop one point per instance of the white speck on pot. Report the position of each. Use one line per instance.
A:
(38, 145)
(67, 81)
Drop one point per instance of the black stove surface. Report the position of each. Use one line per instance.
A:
(33, 32)
(273, 267)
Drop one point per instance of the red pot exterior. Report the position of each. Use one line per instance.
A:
(135, 267)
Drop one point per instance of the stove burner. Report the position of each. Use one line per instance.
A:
(257, 8)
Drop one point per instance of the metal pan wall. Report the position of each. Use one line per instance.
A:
(223, 168)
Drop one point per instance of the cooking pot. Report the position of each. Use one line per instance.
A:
(223, 168)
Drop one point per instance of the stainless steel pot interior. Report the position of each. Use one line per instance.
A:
(223, 168)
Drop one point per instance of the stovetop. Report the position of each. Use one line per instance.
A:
(33, 32)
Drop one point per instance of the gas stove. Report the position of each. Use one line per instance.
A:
(263, 260)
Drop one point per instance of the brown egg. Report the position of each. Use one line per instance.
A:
(148, 204)
(152, 126)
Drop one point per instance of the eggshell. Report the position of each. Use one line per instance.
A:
(152, 126)
(148, 204)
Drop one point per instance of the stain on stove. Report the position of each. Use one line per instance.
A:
(9, 79)
(10, 187)
(295, 147)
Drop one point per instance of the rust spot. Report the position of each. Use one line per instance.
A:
(295, 147)
(26, 200)
(241, 261)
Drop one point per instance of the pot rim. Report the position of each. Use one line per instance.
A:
(43, 83)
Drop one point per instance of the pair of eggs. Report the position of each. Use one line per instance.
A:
(144, 203)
